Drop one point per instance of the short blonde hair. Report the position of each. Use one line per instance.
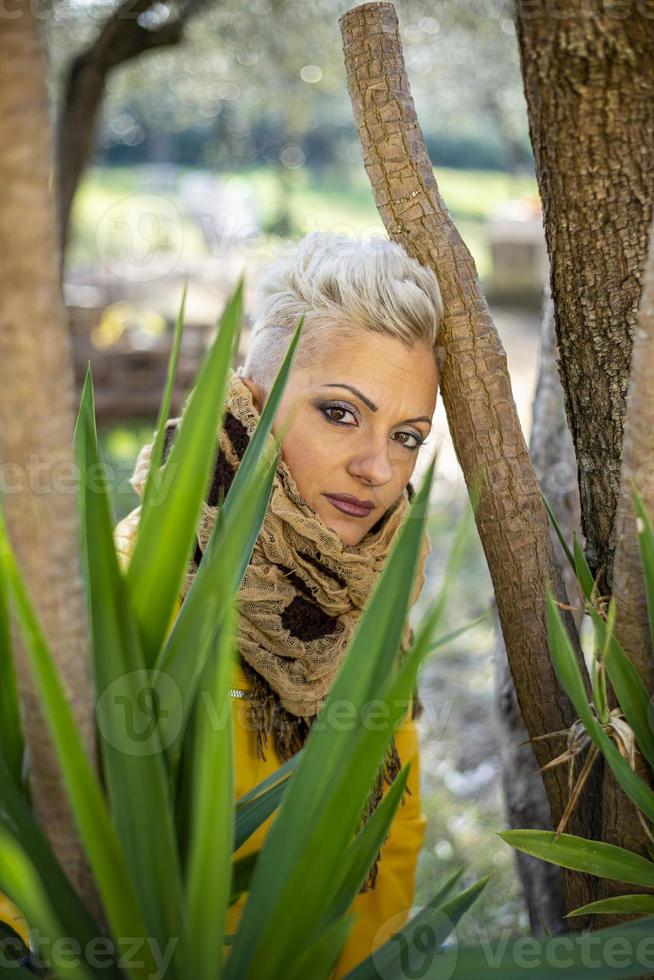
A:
(340, 282)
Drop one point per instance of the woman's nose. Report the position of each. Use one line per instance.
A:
(372, 464)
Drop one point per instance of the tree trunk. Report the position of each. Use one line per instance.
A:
(36, 421)
(632, 619)
(552, 454)
(589, 83)
(475, 384)
(620, 823)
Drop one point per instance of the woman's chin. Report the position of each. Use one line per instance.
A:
(349, 529)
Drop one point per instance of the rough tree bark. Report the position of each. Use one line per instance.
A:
(552, 453)
(475, 384)
(632, 620)
(620, 823)
(588, 75)
(36, 421)
(120, 39)
(589, 83)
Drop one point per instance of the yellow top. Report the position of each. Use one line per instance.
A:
(380, 911)
(13, 917)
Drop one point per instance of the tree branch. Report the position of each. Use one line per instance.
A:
(120, 40)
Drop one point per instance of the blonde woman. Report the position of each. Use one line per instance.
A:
(361, 396)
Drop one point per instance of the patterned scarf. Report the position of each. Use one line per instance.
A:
(301, 595)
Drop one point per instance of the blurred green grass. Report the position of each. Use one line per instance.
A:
(287, 202)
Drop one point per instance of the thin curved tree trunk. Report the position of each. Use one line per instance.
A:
(589, 84)
(552, 453)
(36, 420)
(475, 384)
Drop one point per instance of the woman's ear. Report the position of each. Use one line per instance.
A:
(257, 392)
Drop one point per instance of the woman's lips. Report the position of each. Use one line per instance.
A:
(348, 507)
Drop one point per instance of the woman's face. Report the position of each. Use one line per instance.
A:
(360, 409)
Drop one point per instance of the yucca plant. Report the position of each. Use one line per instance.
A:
(160, 847)
(157, 876)
(621, 734)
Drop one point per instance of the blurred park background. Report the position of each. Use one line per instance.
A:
(214, 153)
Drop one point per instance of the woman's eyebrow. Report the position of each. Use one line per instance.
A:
(360, 394)
(371, 405)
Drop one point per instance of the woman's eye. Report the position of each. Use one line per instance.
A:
(340, 413)
(412, 441)
(337, 413)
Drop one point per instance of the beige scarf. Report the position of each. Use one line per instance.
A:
(302, 592)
